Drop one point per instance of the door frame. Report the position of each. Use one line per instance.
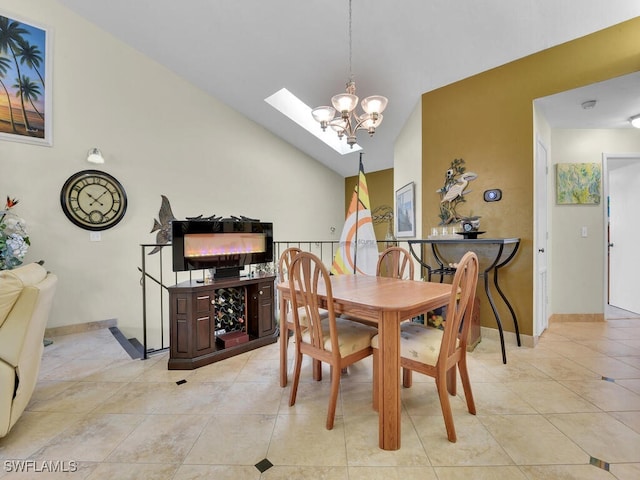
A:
(541, 285)
(606, 157)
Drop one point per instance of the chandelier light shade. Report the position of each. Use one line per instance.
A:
(342, 117)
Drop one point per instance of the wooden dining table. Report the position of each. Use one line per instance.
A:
(386, 302)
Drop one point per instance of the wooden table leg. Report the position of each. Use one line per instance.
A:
(317, 370)
(389, 381)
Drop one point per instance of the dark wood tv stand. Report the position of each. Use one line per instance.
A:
(196, 309)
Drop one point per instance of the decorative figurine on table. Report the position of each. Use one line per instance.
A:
(470, 227)
(452, 193)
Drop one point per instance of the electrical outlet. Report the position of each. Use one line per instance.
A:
(95, 236)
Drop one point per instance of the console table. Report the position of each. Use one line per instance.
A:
(200, 310)
(498, 252)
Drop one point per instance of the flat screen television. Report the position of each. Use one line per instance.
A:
(226, 246)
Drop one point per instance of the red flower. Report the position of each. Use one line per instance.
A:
(11, 202)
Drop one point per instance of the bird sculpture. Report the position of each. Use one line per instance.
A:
(162, 225)
(457, 189)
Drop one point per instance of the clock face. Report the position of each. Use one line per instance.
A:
(467, 227)
(93, 200)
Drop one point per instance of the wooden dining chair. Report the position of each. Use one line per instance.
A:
(336, 341)
(437, 353)
(284, 264)
(395, 262)
(286, 316)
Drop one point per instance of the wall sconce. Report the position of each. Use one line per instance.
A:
(635, 121)
(95, 156)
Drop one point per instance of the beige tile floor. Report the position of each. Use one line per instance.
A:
(544, 415)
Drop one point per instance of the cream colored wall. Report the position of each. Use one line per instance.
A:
(159, 136)
(407, 163)
(578, 263)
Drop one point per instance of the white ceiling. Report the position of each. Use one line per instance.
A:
(617, 100)
(242, 51)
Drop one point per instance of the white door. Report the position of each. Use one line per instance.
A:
(622, 245)
(541, 320)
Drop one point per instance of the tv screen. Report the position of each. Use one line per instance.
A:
(220, 244)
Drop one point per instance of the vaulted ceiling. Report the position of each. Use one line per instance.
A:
(242, 51)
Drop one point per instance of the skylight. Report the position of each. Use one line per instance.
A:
(288, 104)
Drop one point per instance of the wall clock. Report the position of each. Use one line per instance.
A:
(93, 200)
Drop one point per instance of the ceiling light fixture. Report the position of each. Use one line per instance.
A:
(635, 121)
(291, 106)
(589, 104)
(95, 156)
(342, 117)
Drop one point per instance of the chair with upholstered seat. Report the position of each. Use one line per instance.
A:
(336, 341)
(284, 264)
(395, 262)
(437, 353)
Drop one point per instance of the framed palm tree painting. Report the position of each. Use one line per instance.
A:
(25, 81)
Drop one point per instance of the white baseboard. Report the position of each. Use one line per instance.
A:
(80, 327)
(509, 337)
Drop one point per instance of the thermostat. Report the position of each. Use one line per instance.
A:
(492, 195)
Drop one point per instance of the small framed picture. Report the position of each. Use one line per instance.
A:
(405, 217)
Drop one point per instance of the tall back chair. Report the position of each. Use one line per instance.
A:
(395, 262)
(284, 264)
(436, 352)
(337, 341)
(286, 317)
(286, 320)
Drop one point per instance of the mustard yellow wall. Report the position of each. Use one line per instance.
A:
(380, 185)
(487, 120)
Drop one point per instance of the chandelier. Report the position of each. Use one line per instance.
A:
(342, 117)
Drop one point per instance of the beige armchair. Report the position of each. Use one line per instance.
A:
(26, 295)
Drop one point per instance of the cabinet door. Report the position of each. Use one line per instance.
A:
(266, 322)
(202, 327)
(180, 345)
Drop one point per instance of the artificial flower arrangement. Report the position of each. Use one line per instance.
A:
(14, 240)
